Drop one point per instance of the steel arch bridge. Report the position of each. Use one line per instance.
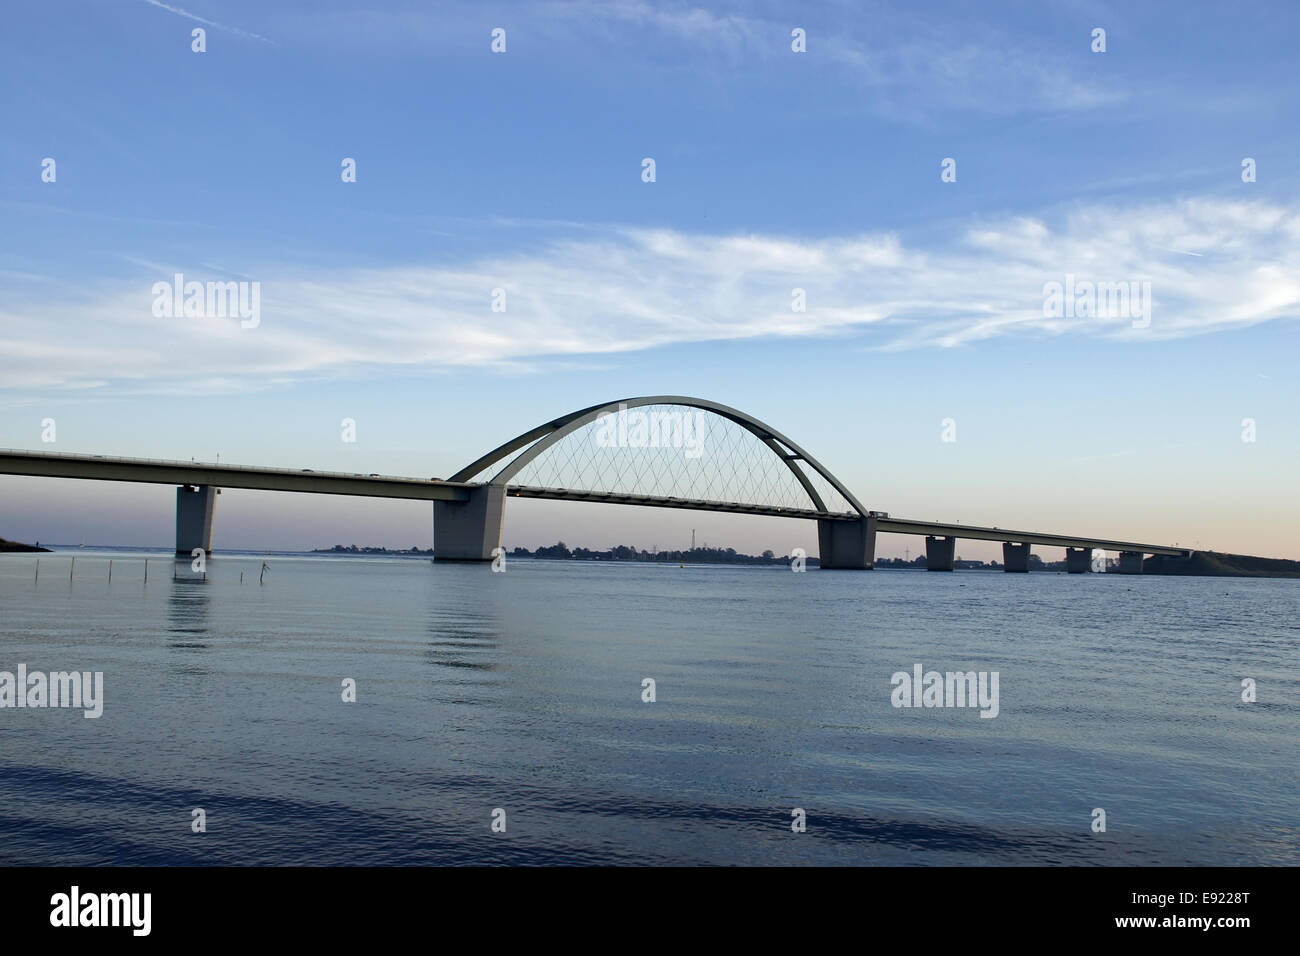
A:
(666, 451)
(664, 434)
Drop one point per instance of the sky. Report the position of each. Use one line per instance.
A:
(925, 283)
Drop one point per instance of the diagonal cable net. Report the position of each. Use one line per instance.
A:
(674, 451)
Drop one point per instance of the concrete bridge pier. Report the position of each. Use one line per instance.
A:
(194, 507)
(1015, 557)
(469, 530)
(939, 552)
(1130, 562)
(1078, 560)
(847, 545)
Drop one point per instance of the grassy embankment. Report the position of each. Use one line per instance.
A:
(1215, 564)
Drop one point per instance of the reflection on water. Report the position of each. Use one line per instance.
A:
(187, 605)
(523, 691)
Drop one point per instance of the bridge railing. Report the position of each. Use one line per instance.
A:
(224, 466)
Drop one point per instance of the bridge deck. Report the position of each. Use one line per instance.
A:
(885, 525)
(974, 532)
(656, 501)
(104, 468)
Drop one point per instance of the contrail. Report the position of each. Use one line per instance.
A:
(211, 23)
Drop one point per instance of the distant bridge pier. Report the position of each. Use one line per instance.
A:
(939, 552)
(847, 545)
(1078, 560)
(1130, 562)
(194, 508)
(469, 530)
(1015, 557)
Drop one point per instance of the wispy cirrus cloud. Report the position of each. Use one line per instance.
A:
(612, 291)
(908, 64)
(206, 22)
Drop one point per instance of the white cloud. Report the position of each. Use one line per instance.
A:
(908, 64)
(617, 291)
(212, 23)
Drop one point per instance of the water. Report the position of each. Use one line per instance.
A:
(522, 691)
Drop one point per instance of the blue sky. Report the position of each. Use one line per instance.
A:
(774, 170)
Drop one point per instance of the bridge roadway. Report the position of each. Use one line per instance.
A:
(155, 471)
(883, 524)
(203, 474)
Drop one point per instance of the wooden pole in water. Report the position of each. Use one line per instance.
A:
(38, 569)
(146, 570)
(110, 570)
(73, 568)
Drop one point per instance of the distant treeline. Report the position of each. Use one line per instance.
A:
(353, 549)
(1200, 563)
(959, 564)
(624, 552)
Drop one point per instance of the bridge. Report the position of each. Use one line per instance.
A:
(629, 452)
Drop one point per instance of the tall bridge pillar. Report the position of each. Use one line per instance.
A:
(194, 507)
(847, 545)
(1015, 557)
(939, 552)
(1078, 560)
(469, 530)
(1130, 562)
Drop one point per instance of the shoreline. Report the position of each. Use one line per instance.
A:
(1210, 564)
(17, 547)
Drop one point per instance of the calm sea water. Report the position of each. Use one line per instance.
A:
(522, 691)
